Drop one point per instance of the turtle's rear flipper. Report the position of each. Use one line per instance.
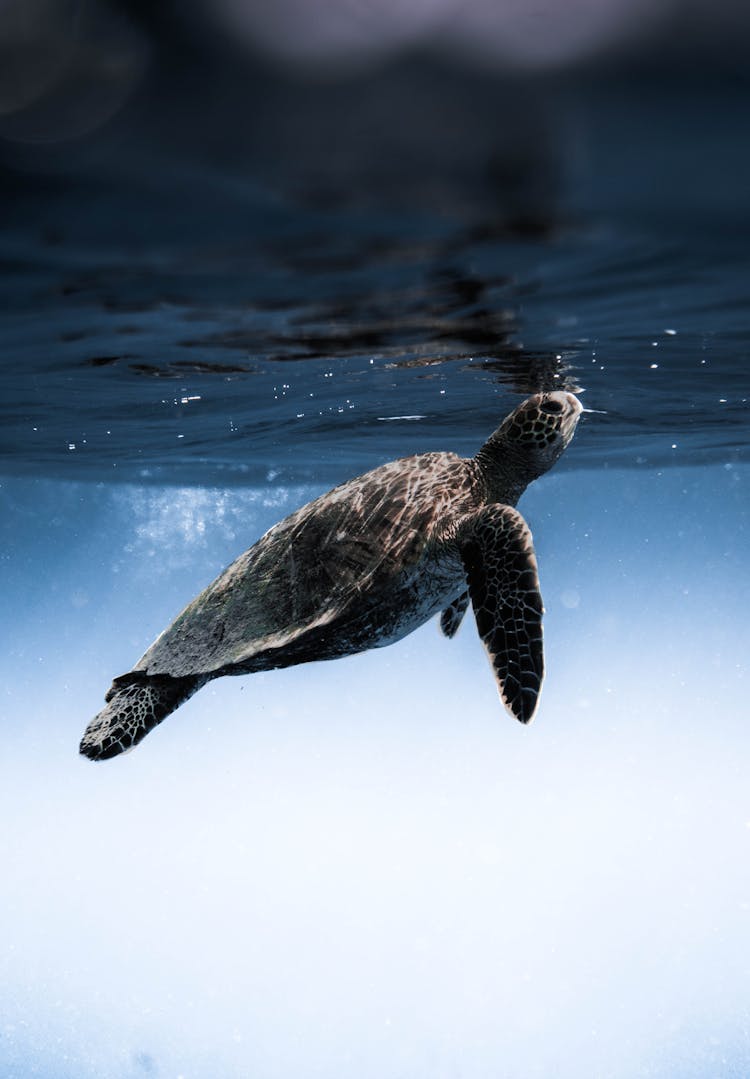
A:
(498, 556)
(453, 614)
(136, 703)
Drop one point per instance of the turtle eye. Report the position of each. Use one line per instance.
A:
(551, 406)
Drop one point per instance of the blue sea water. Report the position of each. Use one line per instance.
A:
(365, 867)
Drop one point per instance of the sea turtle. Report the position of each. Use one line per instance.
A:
(362, 566)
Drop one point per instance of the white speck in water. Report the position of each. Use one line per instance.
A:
(180, 436)
(193, 397)
(654, 366)
(71, 445)
(674, 445)
(654, 344)
(671, 332)
(722, 400)
(387, 419)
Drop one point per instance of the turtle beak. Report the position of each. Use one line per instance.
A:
(573, 410)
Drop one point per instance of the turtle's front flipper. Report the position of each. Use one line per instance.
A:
(453, 614)
(498, 556)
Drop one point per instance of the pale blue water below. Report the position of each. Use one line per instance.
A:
(365, 868)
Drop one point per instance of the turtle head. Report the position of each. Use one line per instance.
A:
(542, 426)
(531, 439)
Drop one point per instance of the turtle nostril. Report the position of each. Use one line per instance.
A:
(551, 406)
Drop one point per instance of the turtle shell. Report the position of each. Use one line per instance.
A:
(330, 562)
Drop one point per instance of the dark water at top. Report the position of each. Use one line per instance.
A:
(245, 279)
(239, 290)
